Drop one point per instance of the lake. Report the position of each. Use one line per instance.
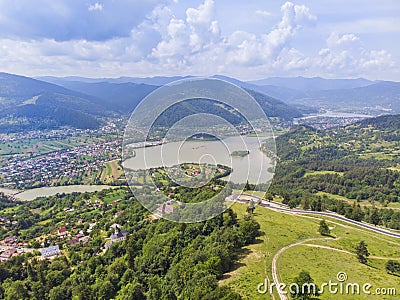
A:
(32, 194)
(252, 167)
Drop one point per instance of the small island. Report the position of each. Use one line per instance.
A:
(240, 153)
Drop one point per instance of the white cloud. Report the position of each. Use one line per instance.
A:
(377, 59)
(336, 39)
(345, 55)
(176, 43)
(291, 60)
(263, 13)
(97, 6)
(201, 15)
(303, 14)
(266, 48)
(185, 37)
(171, 38)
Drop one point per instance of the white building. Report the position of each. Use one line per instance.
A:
(50, 252)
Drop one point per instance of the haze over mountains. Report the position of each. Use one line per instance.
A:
(298, 91)
(335, 94)
(313, 84)
(28, 103)
(87, 102)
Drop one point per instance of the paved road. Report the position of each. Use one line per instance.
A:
(284, 208)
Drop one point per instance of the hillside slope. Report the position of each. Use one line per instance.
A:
(39, 105)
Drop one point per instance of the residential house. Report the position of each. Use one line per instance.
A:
(62, 232)
(10, 240)
(7, 253)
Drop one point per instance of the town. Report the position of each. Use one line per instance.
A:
(73, 226)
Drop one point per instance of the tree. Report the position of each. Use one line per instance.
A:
(292, 203)
(269, 197)
(362, 252)
(247, 186)
(392, 267)
(15, 290)
(305, 202)
(306, 288)
(57, 293)
(324, 228)
(374, 218)
(251, 207)
(131, 291)
(249, 229)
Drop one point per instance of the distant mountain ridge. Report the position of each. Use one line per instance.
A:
(125, 96)
(350, 94)
(306, 94)
(156, 80)
(87, 103)
(385, 94)
(313, 84)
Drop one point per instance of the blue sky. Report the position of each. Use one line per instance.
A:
(249, 39)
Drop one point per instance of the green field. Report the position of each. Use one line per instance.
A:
(111, 172)
(280, 230)
(325, 264)
(314, 173)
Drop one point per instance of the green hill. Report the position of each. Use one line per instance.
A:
(353, 170)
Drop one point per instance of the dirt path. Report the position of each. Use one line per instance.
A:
(275, 277)
(283, 294)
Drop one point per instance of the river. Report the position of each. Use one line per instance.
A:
(32, 194)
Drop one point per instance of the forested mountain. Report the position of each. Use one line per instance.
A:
(26, 103)
(84, 103)
(273, 107)
(123, 94)
(120, 97)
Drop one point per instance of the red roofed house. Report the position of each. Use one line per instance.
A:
(62, 232)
